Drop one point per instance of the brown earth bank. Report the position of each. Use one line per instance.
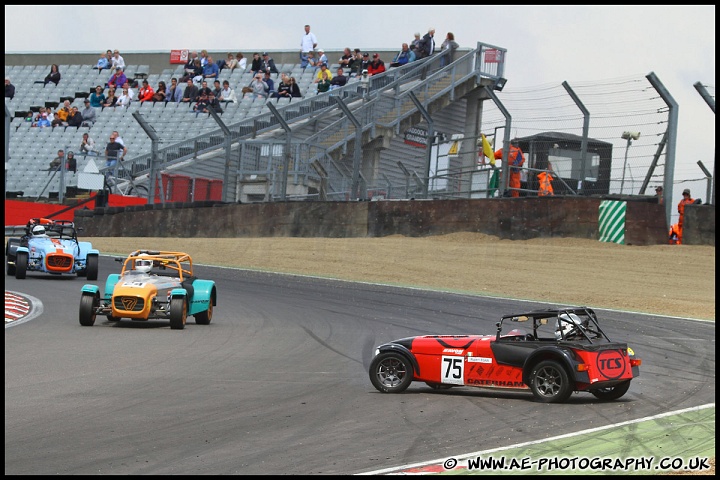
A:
(677, 280)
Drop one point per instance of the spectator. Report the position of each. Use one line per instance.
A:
(111, 99)
(311, 61)
(146, 92)
(268, 64)
(545, 188)
(659, 194)
(217, 89)
(323, 70)
(125, 98)
(56, 162)
(516, 159)
(39, 113)
(338, 80)
(191, 92)
(346, 58)
(43, 121)
(308, 43)
(377, 66)
(415, 44)
(294, 88)
(241, 62)
(114, 151)
(686, 200)
(71, 162)
(118, 138)
(89, 116)
(87, 145)
(9, 89)
(256, 64)
(175, 92)
(270, 84)
(365, 63)
(323, 84)
(117, 60)
(427, 45)
(355, 63)
(117, 79)
(61, 115)
(322, 58)
(204, 99)
(210, 69)
(196, 74)
(405, 55)
(203, 57)
(160, 94)
(449, 44)
(189, 68)
(103, 62)
(54, 75)
(130, 91)
(283, 89)
(97, 98)
(231, 63)
(258, 86)
(227, 94)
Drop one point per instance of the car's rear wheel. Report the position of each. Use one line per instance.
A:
(612, 393)
(549, 382)
(391, 372)
(92, 266)
(21, 263)
(88, 303)
(11, 267)
(204, 318)
(178, 313)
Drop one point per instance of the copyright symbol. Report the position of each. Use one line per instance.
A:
(449, 464)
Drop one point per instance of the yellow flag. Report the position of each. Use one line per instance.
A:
(487, 150)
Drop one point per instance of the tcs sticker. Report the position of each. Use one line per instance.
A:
(611, 364)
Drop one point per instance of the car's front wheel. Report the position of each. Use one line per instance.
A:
(21, 263)
(88, 303)
(92, 267)
(391, 372)
(10, 268)
(549, 382)
(612, 393)
(178, 313)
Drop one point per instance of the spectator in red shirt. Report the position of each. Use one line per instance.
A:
(146, 92)
(376, 66)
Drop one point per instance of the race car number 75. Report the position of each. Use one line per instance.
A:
(452, 370)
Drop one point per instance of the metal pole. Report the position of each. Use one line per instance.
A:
(622, 182)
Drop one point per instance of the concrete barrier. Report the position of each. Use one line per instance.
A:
(507, 218)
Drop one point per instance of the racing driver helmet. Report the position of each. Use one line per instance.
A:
(572, 324)
(143, 265)
(38, 230)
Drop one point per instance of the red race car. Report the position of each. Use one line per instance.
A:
(551, 352)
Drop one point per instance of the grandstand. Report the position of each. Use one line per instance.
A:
(253, 141)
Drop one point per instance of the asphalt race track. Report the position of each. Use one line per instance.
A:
(278, 382)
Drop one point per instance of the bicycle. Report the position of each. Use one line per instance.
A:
(123, 182)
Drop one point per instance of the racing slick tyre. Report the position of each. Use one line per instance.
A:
(88, 302)
(91, 267)
(203, 318)
(178, 313)
(438, 386)
(21, 263)
(612, 393)
(549, 382)
(391, 372)
(10, 268)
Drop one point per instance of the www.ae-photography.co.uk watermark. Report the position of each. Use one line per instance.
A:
(565, 464)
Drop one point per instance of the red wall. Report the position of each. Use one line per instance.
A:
(18, 212)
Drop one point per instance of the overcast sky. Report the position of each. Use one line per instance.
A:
(545, 44)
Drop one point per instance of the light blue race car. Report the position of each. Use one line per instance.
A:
(51, 246)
